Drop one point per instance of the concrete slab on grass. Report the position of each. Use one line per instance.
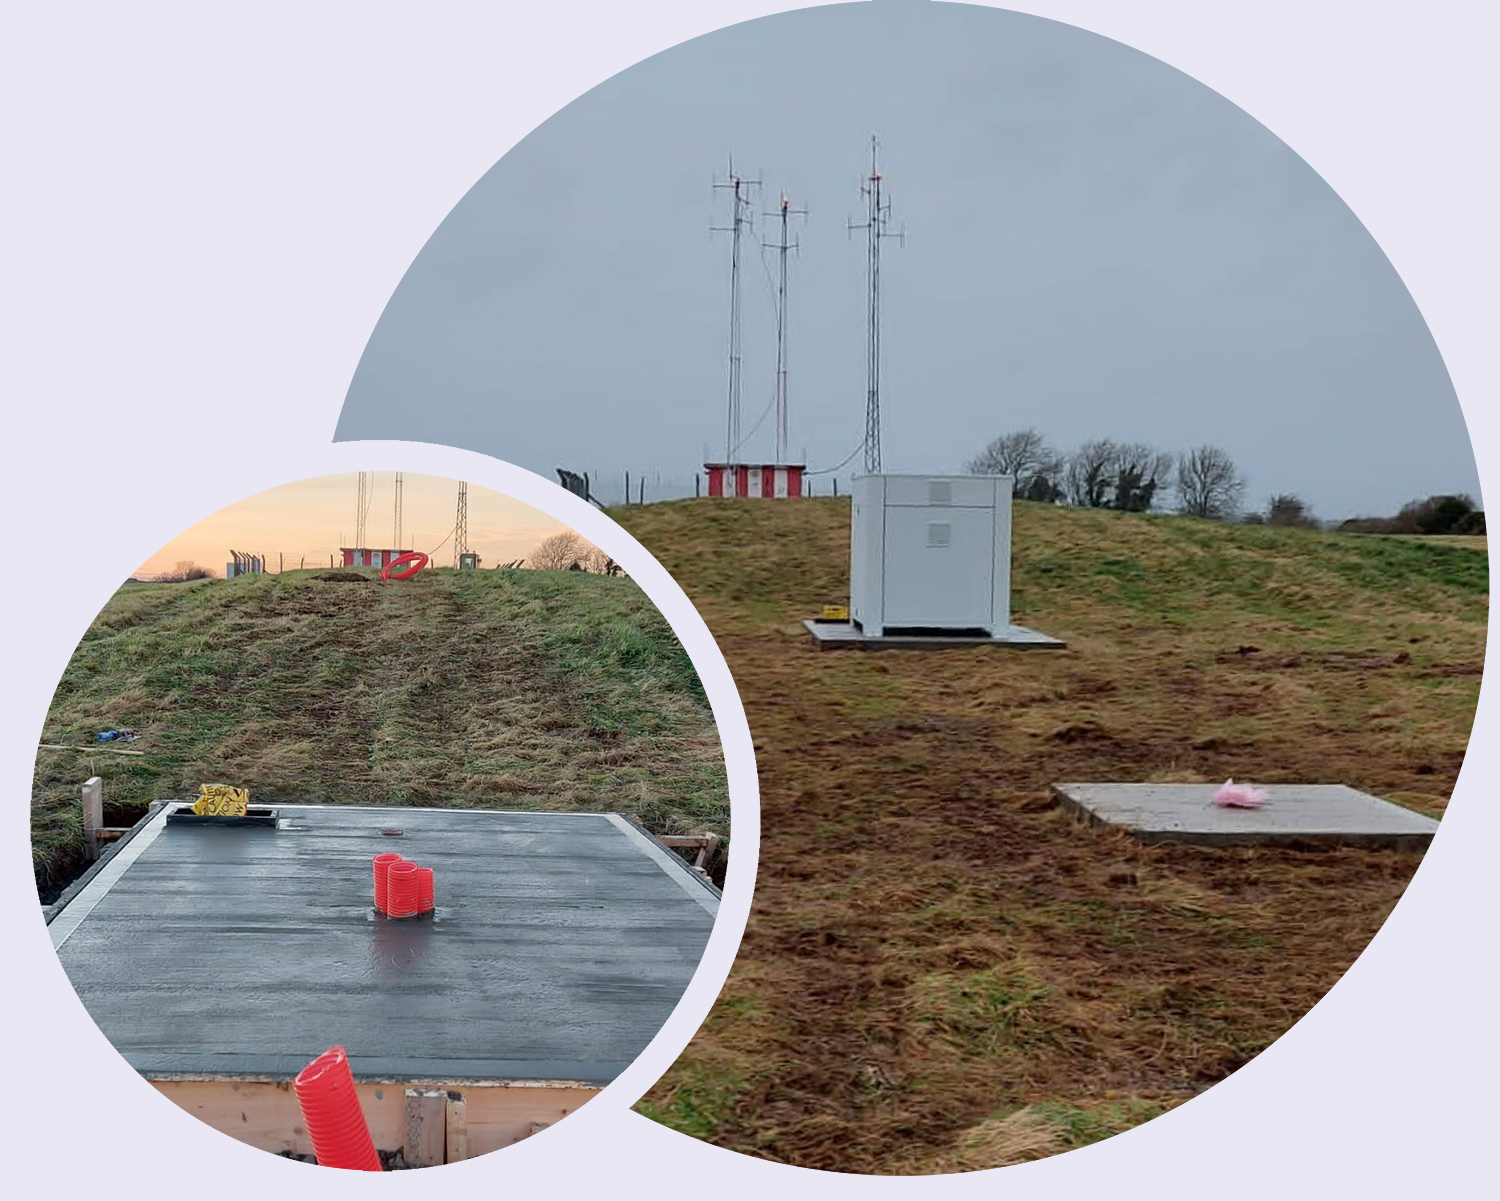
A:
(1294, 814)
(843, 635)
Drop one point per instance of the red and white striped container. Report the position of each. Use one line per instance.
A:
(767, 480)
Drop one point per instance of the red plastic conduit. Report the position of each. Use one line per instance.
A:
(401, 889)
(331, 1112)
(414, 557)
(424, 890)
(382, 867)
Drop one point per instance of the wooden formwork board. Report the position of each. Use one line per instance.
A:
(450, 1120)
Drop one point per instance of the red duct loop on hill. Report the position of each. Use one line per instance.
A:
(330, 1109)
(382, 868)
(424, 890)
(401, 890)
(415, 557)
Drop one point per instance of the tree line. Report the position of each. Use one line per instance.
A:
(568, 551)
(184, 571)
(563, 551)
(1134, 477)
(1104, 474)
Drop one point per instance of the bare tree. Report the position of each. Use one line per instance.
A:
(1034, 467)
(1088, 478)
(184, 570)
(594, 560)
(1208, 483)
(1140, 472)
(566, 551)
(1129, 476)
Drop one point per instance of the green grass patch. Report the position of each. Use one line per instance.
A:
(700, 1101)
(493, 689)
(988, 1010)
(1080, 1127)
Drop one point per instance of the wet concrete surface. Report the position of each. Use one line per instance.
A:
(559, 945)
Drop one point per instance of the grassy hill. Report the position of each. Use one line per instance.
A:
(490, 689)
(943, 970)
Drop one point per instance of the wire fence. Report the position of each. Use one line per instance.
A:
(613, 489)
(608, 490)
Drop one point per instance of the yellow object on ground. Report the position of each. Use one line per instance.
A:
(221, 800)
(835, 613)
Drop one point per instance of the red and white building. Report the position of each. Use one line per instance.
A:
(361, 556)
(755, 479)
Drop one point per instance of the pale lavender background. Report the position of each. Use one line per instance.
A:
(207, 218)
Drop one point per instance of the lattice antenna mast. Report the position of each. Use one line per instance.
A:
(396, 525)
(878, 215)
(461, 524)
(736, 228)
(785, 212)
(361, 508)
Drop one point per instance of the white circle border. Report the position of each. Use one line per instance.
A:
(579, 1130)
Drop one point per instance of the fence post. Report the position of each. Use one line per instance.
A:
(93, 816)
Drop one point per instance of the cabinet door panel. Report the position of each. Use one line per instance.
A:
(938, 567)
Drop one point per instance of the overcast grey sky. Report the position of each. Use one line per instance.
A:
(1097, 245)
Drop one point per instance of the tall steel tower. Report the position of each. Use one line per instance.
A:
(785, 212)
(461, 524)
(878, 215)
(361, 508)
(740, 221)
(396, 526)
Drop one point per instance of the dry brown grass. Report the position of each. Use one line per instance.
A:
(1000, 1142)
(935, 948)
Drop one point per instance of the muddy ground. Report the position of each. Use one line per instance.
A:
(943, 970)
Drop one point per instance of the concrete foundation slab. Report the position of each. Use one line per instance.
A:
(1293, 815)
(843, 635)
(560, 944)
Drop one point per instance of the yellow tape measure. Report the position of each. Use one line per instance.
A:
(221, 800)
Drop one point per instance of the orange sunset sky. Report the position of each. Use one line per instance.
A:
(311, 519)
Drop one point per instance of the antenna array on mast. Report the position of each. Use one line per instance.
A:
(876, 226)
(878, 214)
(740, 221)
(785, 212)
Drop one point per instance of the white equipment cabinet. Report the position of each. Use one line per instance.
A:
(930, 553)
